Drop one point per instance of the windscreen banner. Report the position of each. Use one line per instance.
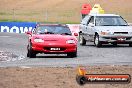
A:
(17, 27)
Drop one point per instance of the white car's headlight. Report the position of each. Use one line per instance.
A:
(106, 33)
(70, 41)
(38, 40)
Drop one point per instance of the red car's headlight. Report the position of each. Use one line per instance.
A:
(38, 40)
(70, 41)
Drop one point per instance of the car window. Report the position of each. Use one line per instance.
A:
(91, 20)
(85, 20)
(110, 21)
(53, 30)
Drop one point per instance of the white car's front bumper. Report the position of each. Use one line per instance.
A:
(116, 38)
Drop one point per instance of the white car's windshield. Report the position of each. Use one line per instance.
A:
(110, 21)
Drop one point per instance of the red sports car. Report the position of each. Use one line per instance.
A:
(52, 39)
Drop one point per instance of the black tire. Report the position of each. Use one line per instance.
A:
(27, 53)
(30, 53)
(96, 41)
(130, 44)
(82, 41)
(114, 44)
(72, 54)
(81, 80)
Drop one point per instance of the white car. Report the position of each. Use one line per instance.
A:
(105, 29)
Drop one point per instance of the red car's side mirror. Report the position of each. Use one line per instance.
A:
(75, 34)
(29, 33)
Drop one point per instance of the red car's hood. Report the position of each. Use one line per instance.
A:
(55, 37)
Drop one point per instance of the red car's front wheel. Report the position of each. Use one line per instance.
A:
(30, 53)
(72, 54)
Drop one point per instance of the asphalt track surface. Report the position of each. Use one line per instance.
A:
(87, 55)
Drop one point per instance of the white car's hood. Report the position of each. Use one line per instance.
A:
(114, 28)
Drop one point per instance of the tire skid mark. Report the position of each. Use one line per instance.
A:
(8, 56)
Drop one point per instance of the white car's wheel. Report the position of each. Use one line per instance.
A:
(82, 41)
(96, 41)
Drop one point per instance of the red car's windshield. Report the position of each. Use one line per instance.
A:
(53, 30)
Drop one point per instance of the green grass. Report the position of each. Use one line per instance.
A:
(10, 20)
(4, 13)
(64, 22)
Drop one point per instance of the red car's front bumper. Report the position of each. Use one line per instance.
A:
(46, 48)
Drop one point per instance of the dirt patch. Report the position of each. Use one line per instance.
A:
(56, 77)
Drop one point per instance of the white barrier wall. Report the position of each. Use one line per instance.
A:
(74, 28)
